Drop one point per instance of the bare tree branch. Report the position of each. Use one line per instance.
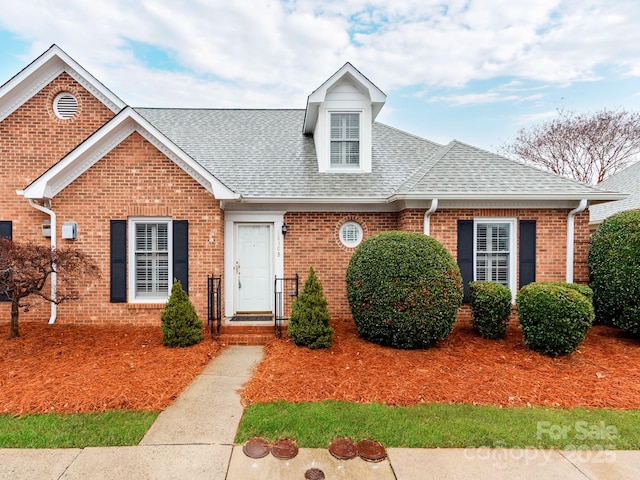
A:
(586, 147)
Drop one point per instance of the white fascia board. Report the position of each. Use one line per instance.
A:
(63, 173)
(42, 71)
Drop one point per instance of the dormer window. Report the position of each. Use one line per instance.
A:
(345, 140)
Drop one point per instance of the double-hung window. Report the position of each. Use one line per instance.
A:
(345, 140)
(495, 251)
(150, 248)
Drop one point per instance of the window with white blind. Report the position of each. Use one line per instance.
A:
(345, 140)
(351, 234)
(150, 248)
(495, 251)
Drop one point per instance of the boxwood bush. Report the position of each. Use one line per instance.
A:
(490, 308)
(614, 269)
(404, 289)
(554, 318)
(578, 287)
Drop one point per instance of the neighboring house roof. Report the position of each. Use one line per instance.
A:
(262, 155)
(627, 181)
(42, 71)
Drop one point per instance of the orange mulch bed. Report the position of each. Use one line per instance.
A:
(463, 368)
(76, 368)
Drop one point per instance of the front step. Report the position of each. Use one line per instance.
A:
(246, 334)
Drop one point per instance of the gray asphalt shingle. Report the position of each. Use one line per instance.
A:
(264, 154)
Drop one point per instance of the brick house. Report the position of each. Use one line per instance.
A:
(251, 195)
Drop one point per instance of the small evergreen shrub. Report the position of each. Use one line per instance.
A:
(404, 290)
(554, 318)
(614, 269)
(309, 322)
(181, 326)
(490, 308)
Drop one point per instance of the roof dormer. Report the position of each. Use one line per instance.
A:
(340, 115)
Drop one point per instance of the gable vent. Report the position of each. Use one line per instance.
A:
(65, 105)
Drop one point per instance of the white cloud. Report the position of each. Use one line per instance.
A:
(274, 53)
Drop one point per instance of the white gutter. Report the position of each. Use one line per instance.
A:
(54, 277)
(570, 237)
(427, 216)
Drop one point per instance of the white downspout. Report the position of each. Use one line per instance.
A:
(570, 237)
(54, 277)
(427, 216)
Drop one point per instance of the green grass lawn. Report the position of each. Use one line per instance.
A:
(316, 424)
(79, 430)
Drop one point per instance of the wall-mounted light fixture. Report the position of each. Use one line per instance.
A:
(284, 229)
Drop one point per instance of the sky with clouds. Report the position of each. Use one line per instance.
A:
(473, 70)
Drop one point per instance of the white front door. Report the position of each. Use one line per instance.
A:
(253, 268)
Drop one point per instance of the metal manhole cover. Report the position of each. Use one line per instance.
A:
(257, 447)
(371, 451)
(284, 449)
(342, 448)
(314, 474)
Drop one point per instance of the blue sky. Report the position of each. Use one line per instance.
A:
(473, 70)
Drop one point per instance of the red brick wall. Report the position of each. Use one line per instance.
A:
(33, 138)
(133, 180)
(312, 240)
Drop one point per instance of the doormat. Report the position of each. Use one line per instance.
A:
(252, 318)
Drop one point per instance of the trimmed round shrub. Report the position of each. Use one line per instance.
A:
(309, 322)
(490, 308)
(614, 269)
(578, 287)
(180, 324)
(554, 318)
(404, 290)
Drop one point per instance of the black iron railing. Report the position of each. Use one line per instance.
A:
(214, 304)
(286, 290)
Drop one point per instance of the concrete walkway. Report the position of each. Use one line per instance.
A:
(193, 439)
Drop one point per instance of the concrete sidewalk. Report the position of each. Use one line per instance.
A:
(193, 439)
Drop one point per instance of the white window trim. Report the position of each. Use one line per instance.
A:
(340, 168)
(131, 249)
(513, 245)
(360, 234)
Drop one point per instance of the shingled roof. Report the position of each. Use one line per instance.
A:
(626, 181)
(262, 154)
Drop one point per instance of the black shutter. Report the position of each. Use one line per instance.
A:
(118, 259)
(465, 255)
(527, 252)
(181, 253)
(6, 229)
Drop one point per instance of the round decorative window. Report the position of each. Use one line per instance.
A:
(65, 105)
(351, 234)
